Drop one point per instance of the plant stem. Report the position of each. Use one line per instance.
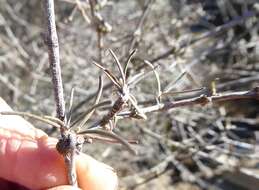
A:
(199, 100)
(51, 40)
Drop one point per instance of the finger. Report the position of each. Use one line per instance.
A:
(63, 187)
(99, 175)
(31, 162)
(28, 157)
(26, 154)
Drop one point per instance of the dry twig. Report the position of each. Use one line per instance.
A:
(54, 61)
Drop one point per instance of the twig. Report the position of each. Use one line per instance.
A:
(54, 61)
(42, 119)
(238, 82)
(81, 8)
(97, 29)
(51, 40)
(98, 96)
(201, 100)
(124, 95)
(137, 33)
(111, 135)
(107, 139)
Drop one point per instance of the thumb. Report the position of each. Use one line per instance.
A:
(63, 187)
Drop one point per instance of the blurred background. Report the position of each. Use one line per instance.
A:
(193, 44)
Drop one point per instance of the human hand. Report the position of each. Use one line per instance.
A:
(28, 157)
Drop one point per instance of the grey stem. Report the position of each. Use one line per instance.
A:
(51, 40)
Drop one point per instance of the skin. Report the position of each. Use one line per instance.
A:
(28, 157)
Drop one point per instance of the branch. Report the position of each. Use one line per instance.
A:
(201, 100)
(51, 40)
